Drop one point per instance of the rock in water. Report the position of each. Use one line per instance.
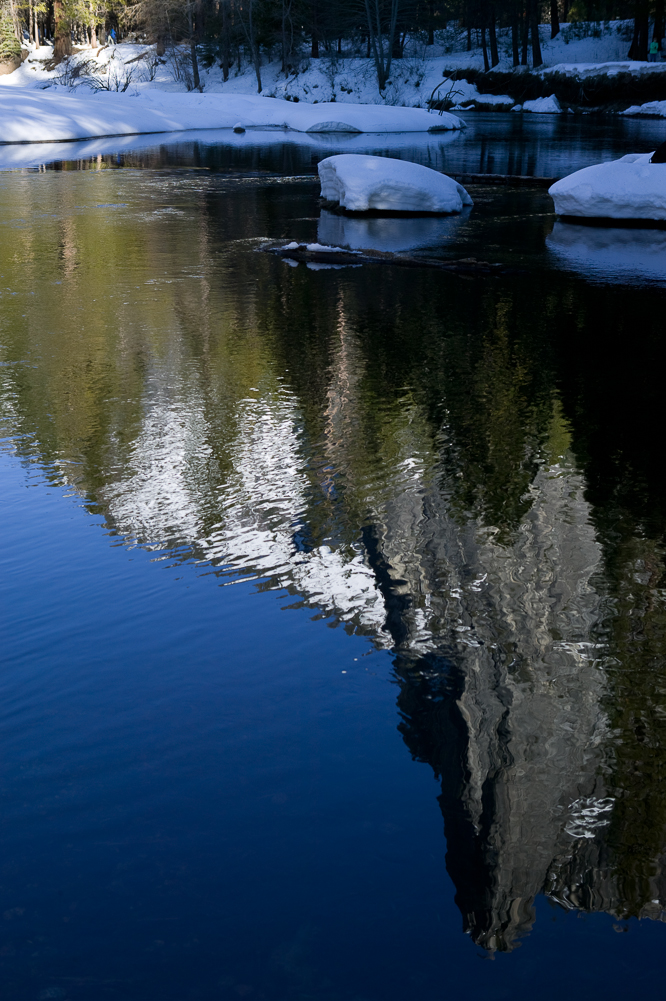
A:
(630, 188)
(361, 183)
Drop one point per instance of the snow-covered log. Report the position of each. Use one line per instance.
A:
(629, 188)
(362, 183)
(36, 116)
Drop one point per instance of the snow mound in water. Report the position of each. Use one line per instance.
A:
(543, 106)
(653, 109)
(36, 116)
(360, 183)
(630, 188)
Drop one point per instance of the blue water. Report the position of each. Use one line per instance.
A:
(205, 795)
(300, 568)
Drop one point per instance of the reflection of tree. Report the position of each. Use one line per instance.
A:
(404, 453)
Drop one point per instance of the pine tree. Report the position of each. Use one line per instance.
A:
(10, 46)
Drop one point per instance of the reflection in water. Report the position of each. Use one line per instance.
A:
(492, 143)
(411, 456)
(268, 149)
(611, 254)
(385, 233)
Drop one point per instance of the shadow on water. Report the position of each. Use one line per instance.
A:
(463, 471)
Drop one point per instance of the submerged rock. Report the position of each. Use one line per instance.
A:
(365, 183)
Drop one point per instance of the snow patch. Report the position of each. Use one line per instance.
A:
(325, 248)
(543, 106)
(361, 183)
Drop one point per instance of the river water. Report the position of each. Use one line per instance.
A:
(333, 600)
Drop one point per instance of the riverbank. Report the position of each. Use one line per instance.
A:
(585, 69)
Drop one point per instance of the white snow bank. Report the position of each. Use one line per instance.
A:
(390, 234)
(583, 70)
(610, 254)
(359, 183)
(38, 116)
(630, 188)
(543, 106)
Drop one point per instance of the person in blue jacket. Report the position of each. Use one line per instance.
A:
(112, 36)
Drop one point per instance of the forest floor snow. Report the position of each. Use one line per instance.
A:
(349, 78)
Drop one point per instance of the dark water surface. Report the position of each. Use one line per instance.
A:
(333, 612)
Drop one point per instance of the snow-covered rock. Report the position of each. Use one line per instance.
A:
(360, 183)
(629, 188)
(39, 116)
(610, 254)
(543, 106)
(652, 109)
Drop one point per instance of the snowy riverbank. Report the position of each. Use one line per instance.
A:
(584, 57)
(29, 116)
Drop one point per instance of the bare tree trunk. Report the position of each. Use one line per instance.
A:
(639, 45)
(35, 26)
(161, 29)
(286, 46)
(643, 30)
(252, 41)
(193, 51)
(494, 55)
(526, 36)
(658, 32)
(536, 44)
(554, 19)
(633, 48)
(486, 64)
(515, 43)
(376, 38)
(93, 27)
(226, 55)
(62, 36)
(431, 22)
(314, 48)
